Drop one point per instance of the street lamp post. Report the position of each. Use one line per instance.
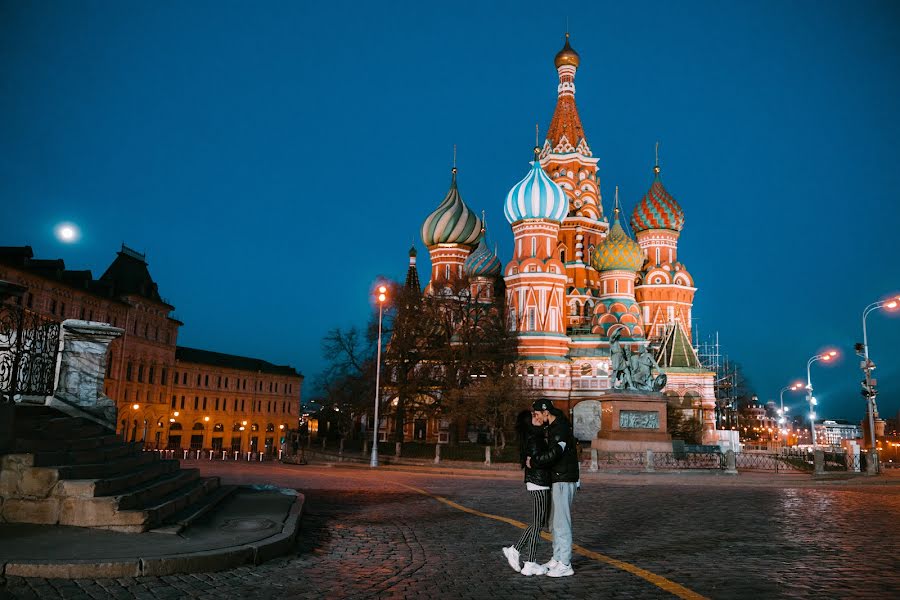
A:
(382, 291)
(826, 356)
(868, 365)
(782, 413)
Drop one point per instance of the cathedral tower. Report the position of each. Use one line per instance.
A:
(665, 289)
(617, 259)
(449, 233)
(535, 277)
(567, 158)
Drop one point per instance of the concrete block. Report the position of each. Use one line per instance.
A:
(16, 461)
(197, 562)
(75, 569)
(43, 512)
(38, 482)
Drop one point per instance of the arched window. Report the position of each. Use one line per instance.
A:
(270, 427)
(562, 255)
(218, 427)
(175, 427)
(586, 370)
(198, 427)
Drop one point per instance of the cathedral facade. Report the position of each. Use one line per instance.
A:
(576, 276)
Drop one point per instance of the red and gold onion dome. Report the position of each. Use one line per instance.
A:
(618, 251)
(657, 209)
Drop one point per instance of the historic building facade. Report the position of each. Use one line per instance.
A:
(167, 395)
(574, 277)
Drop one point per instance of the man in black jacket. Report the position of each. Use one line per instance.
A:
(562, 455)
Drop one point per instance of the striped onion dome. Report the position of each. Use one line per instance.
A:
(483, 261)
(536, 197)
(618, 251)
(657, 209)
(452, 222)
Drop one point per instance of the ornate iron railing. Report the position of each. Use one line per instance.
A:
(29, 344)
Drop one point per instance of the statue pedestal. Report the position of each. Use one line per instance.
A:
(632, 421)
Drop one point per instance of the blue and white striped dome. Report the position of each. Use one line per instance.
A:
(536, 197)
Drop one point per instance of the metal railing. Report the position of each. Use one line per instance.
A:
(29, 344)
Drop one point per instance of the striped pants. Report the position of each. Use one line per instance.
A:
(527, 544)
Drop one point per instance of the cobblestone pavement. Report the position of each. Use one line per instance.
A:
(364, 535)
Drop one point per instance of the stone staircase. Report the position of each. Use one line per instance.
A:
(71, 471)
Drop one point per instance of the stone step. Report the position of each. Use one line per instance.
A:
(190, 515)
(109, 486)
(107, 469)
(104, 512)
(148, 493)
(49, 444)
(165, 508)
(84, 457)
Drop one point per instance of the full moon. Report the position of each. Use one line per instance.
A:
(67, 233)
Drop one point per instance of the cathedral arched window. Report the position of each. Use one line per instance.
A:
(562, 255)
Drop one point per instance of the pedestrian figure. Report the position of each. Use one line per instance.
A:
(530, 429)
(562, 456)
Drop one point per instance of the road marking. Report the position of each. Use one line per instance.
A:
(657, 580)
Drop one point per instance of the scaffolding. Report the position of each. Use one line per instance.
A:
(711, 357)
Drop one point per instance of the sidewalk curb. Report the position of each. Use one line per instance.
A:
(193, 562)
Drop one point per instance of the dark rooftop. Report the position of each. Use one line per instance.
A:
(128, 273)
(230, 361)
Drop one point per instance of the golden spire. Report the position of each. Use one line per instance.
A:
(454, 159)
(616, 211)
(656, 167)
(537, 137)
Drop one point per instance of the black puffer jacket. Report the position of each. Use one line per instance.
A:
(535, 444)
(563, 463)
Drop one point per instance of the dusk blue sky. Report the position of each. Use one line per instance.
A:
(273, 158)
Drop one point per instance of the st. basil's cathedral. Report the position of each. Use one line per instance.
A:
(574, 279)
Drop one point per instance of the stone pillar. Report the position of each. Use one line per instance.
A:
(397, 449)
(594, 466)
(648, 466)
(82, 367)
(730, 463)
(365, 446)
(819, 462)
(437, 454)
(487, 455)
(872, 462)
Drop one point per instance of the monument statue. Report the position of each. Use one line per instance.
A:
(633, 370)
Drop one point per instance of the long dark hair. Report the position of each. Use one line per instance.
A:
(524, 430)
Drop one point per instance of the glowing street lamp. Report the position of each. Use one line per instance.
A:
(783, 411)
(868, 365)
(382, 296)
(826, 356)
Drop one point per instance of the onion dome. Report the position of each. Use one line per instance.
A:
(536, 197)
(567, 56)
(618, 251)
(483, 261)
(657, 209)
(452, 222)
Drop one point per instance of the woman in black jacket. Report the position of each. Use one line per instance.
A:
(537, 482)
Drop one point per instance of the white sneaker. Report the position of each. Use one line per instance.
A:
(512, 557)
(532, 568)
(560, 570)
(550, 564)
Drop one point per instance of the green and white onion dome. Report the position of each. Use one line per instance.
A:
(536, 197)
(452, 222)
(483, 262)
